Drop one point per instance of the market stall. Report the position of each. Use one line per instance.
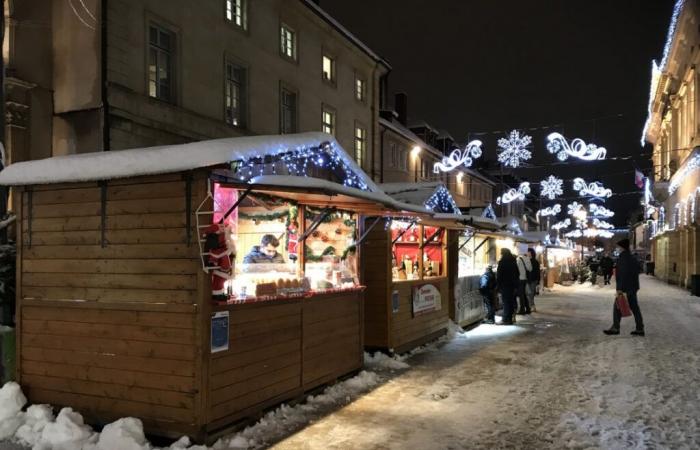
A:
(190, 285)
(406, 269)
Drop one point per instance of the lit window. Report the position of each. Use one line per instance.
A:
(236, 12)
(360, 144)
(161, 46)
(360, 89)
(328, 69)
(235, 95)
(288, 42)
(288, 111)
(328, 121)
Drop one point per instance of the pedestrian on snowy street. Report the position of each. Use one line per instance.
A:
(487, 288)
(533, 279)
(606, 265)
(627, 281)
(524, 269)
(507, 281)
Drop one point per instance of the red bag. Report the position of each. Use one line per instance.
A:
(623, 305)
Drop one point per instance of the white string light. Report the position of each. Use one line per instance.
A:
(549, 211)
(600, 211)
(566, 223)
(578, 148)
(602, 224)
(514, 149)
(551, 187)
(459, 158)
(594, 189)
(512, 194)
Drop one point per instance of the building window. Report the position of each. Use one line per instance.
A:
(288, 111)
(360, 89)
(237, 12)
(328, 69)
(360, 144)
(394, 154)
(235, 90)
(161, 48)
(403, 159)
(288, 42)
(328, 121)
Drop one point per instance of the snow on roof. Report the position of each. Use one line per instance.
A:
(166, 159)
(344, 31)
(421, 124)
(419, 193)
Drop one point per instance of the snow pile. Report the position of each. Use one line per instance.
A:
(383, 361)
(11, 402)
(285, 419)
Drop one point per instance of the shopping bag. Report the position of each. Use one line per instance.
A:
(623, 305)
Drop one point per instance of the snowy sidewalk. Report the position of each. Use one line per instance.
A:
(553, 381)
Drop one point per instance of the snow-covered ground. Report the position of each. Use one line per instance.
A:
(552, 381)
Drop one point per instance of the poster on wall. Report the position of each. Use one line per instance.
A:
(426, 298)
(219, 331)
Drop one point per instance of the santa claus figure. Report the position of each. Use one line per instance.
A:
(218, 262)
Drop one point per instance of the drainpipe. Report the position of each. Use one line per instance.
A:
(3, 189)
(105, 91)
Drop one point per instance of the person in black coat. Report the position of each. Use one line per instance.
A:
(507, 278)
(606, 266)
(627, 281)
(487, 287)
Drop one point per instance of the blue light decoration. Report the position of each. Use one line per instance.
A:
(489, 212)
(298, 162)
(442, 202)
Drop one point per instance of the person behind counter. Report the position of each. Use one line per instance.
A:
(265, 253)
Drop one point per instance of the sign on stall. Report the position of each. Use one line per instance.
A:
(426, 298)
(219, 331)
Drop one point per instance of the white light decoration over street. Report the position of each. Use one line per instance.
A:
(594, 189)
(600, 211)
(552, 187)
(459, 158)
(574, 208)
(602, 224)
(566, 223)
(514, 149)
(512, 194)
(549, 211)
(679, 177)
(578, 148)
(574, 234)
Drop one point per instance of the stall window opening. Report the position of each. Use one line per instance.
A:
(418, 251)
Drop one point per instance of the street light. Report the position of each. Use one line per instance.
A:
(415, 151)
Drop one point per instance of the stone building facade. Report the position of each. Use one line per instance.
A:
(672, 127)
(95, 75)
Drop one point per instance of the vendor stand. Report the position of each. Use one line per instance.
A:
(141, 293)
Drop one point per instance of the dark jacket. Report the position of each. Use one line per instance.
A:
(258, 257)
(627, 274)
(534, 275)
(507, 274)
(487, 282)
(606, 263)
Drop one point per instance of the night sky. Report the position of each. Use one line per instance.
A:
(481, 68)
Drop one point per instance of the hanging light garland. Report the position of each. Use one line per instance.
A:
(600, 211)
(512, 194)
(578, 148)
(459, 158)
(514, 149)
(594, 189)
(552, 187)
(574, 208)
(566, 223)
(602, 224)
(549, 211)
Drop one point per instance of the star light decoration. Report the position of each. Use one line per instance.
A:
(594, 189)
(514, 149)
(549, 211)
(578, 148)
(551, 187)
(459, 158)
(512, 194)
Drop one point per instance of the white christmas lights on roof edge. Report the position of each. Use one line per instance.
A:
(690, 166)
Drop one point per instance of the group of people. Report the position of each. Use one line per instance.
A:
(604, 266)
(515, 278)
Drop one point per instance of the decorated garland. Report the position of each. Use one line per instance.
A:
(257, 218)
(329, 251)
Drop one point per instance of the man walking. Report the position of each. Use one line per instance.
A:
(524, 269)
(627, 280)
(507, 281)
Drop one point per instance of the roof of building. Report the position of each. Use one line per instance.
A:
(420, 194)
(344, 31)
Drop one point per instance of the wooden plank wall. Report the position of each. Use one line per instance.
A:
(263, 363)
(332, 337)
(376, 276)
(408, 331)
(110, 330)
(452, 268)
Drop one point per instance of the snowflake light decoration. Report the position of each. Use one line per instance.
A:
(551, 187)
(574, 207)
(512, 194)
(514, 149)
(578, 148)
(459, 158)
